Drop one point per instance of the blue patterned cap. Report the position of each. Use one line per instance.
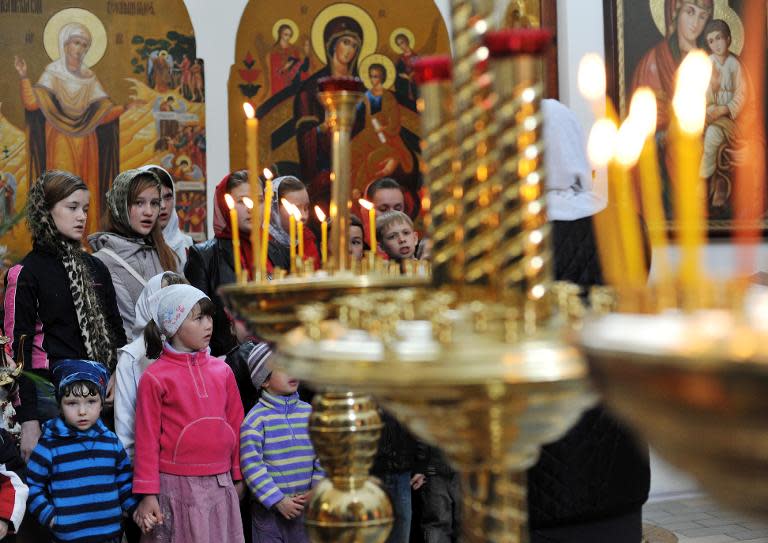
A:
(70, 370)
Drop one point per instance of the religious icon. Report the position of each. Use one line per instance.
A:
(97, 90)
(300, 45)
(72, 121)
(657, 36)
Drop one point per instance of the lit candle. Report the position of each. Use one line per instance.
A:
(689, 105)
(291, 233)
(299, 232)
(268, 192)
(643, 110)
(323, 235)
(252, 155)
(371, 222)
(235, 236)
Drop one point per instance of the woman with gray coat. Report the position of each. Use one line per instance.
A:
(132, 246)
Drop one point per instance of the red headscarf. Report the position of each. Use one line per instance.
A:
(222, 228)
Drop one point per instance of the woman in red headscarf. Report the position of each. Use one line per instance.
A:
(211, 264)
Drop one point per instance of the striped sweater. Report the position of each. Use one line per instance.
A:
(276, 455)
(82, 480)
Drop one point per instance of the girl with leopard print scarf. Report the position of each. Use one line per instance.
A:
(59, 296)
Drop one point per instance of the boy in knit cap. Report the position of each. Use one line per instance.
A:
(276, 456)
(79, 475)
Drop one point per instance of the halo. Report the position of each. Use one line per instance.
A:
(182, 158)
(408, 34)
(370, 34)
(722, 11)
(288, 22)
(377, 58)
(87, 19)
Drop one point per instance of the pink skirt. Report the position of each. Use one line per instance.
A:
(197, 510)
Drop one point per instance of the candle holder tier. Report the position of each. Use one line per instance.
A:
(489, 403)
(270, 307)
(696, 386)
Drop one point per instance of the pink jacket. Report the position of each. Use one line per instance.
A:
(188, 416)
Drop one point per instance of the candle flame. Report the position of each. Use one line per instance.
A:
(230, 201)
(602, 142)
(629, 142)
(248, 202)
(366, 204)
(296, 214)
(268, 173)
(690, 102)
(249, 111)
(320, 214)
(591, 77)
(643, 110)
(287, 205)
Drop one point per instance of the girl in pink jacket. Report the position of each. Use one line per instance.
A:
(188, 416)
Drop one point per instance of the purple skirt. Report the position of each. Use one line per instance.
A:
(197, 510)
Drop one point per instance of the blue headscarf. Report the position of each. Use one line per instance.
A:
(66, 372)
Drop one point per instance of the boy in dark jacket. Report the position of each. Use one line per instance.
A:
(79, 474)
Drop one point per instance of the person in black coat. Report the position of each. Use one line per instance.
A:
(590, 485)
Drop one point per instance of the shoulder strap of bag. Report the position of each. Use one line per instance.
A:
(130, 269)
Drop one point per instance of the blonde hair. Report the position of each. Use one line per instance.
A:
(390, 218)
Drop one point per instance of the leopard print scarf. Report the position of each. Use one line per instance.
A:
(90, 314)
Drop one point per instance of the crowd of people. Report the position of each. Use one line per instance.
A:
(147, 412)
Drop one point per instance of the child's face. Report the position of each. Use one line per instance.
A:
(281, 384)
(194, 334)
(299, 198)
(356, 242)
(388, 200)
(399, 241)
(718, 43)
(81, 413)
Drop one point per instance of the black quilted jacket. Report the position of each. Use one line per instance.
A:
(597, 470)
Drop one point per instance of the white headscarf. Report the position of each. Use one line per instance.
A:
(172, 306)
(74, 91)
(176, 239)
(569, 176)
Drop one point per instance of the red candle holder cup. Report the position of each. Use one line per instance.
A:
(528, 41)
(433, 69)
(339, 84)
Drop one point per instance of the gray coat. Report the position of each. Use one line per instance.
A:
(140, 255)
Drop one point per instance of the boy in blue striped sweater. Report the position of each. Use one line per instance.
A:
(276, 457)
(79, 475)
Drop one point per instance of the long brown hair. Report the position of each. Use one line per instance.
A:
(59, 185)
(168, 259)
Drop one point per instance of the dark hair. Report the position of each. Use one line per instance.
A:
(236, 179)
(381, 183)
(80, 389)
(354, 220)
(289, 184)
(59, 185)
(380, 67)
(165, 178)
(717, 25)
(153, 338)
(406, 38)
(280, 32)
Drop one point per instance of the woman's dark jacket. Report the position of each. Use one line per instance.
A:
(38, 303)
(397, 448)
(598, 469)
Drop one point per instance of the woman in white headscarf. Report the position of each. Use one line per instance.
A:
(169, 218)
(72, 121)
(132, 360)
(591, 484)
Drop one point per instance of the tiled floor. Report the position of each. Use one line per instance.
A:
(701, 520)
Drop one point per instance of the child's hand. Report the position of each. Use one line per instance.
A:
(240, 489)
(290, 508)
(417, 481)
(148, 513)
(3, 529)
